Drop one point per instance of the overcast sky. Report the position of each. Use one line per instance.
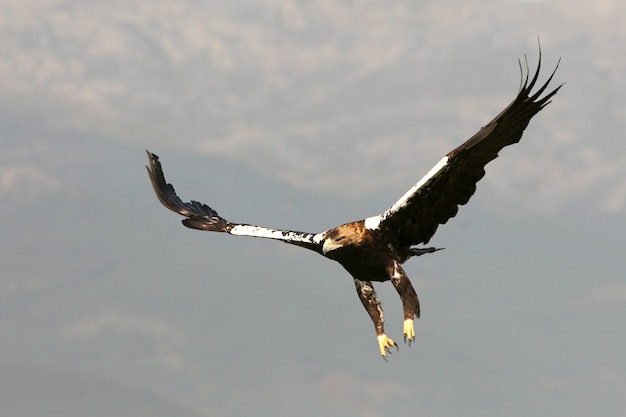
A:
(305, 115)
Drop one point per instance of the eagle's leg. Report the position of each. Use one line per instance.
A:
(410, 302)
(370, 301)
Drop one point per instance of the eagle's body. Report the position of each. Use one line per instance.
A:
(374, 249)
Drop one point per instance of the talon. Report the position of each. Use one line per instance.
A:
(409, 331)
(385, 343)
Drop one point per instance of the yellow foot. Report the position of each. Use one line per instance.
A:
(385, 343)
(409, 332)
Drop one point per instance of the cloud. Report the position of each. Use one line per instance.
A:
(366, 394)
(609, 294)
(599, 382)
(24, 182)
(309, 95)
(560, 383)
(165, 339)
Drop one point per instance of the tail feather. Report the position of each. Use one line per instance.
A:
(421, 251)
(406, 253)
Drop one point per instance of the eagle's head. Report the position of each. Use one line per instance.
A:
(333, 243)
(346, 236)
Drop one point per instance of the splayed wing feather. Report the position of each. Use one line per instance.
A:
(435, 199)
(202, 217)
(199, 216)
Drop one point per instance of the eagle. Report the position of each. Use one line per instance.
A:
(374, 249)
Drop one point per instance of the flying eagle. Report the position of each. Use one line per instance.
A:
(373, 249)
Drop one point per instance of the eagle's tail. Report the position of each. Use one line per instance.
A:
(421, 251)
(405, 254)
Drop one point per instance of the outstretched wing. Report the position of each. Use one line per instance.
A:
(202, 217)
(414, 218)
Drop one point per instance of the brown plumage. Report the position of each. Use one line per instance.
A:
(373, 249)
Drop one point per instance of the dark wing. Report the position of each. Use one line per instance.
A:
(436, 197)
(198, 215)
(202, 217)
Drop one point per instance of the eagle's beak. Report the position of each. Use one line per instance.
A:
(330, 245)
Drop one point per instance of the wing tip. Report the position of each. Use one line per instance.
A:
(527, 83)
(198, 215)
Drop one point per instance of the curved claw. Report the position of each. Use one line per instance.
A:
(385, 343)
(409, 331)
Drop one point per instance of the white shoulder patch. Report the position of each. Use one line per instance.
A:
(268, 233)
(372, 223)
(318, 238)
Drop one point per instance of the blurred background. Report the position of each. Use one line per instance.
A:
(305, 115)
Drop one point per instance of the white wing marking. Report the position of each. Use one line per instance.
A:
(372, 223)
(405, 198)
(265, 232)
